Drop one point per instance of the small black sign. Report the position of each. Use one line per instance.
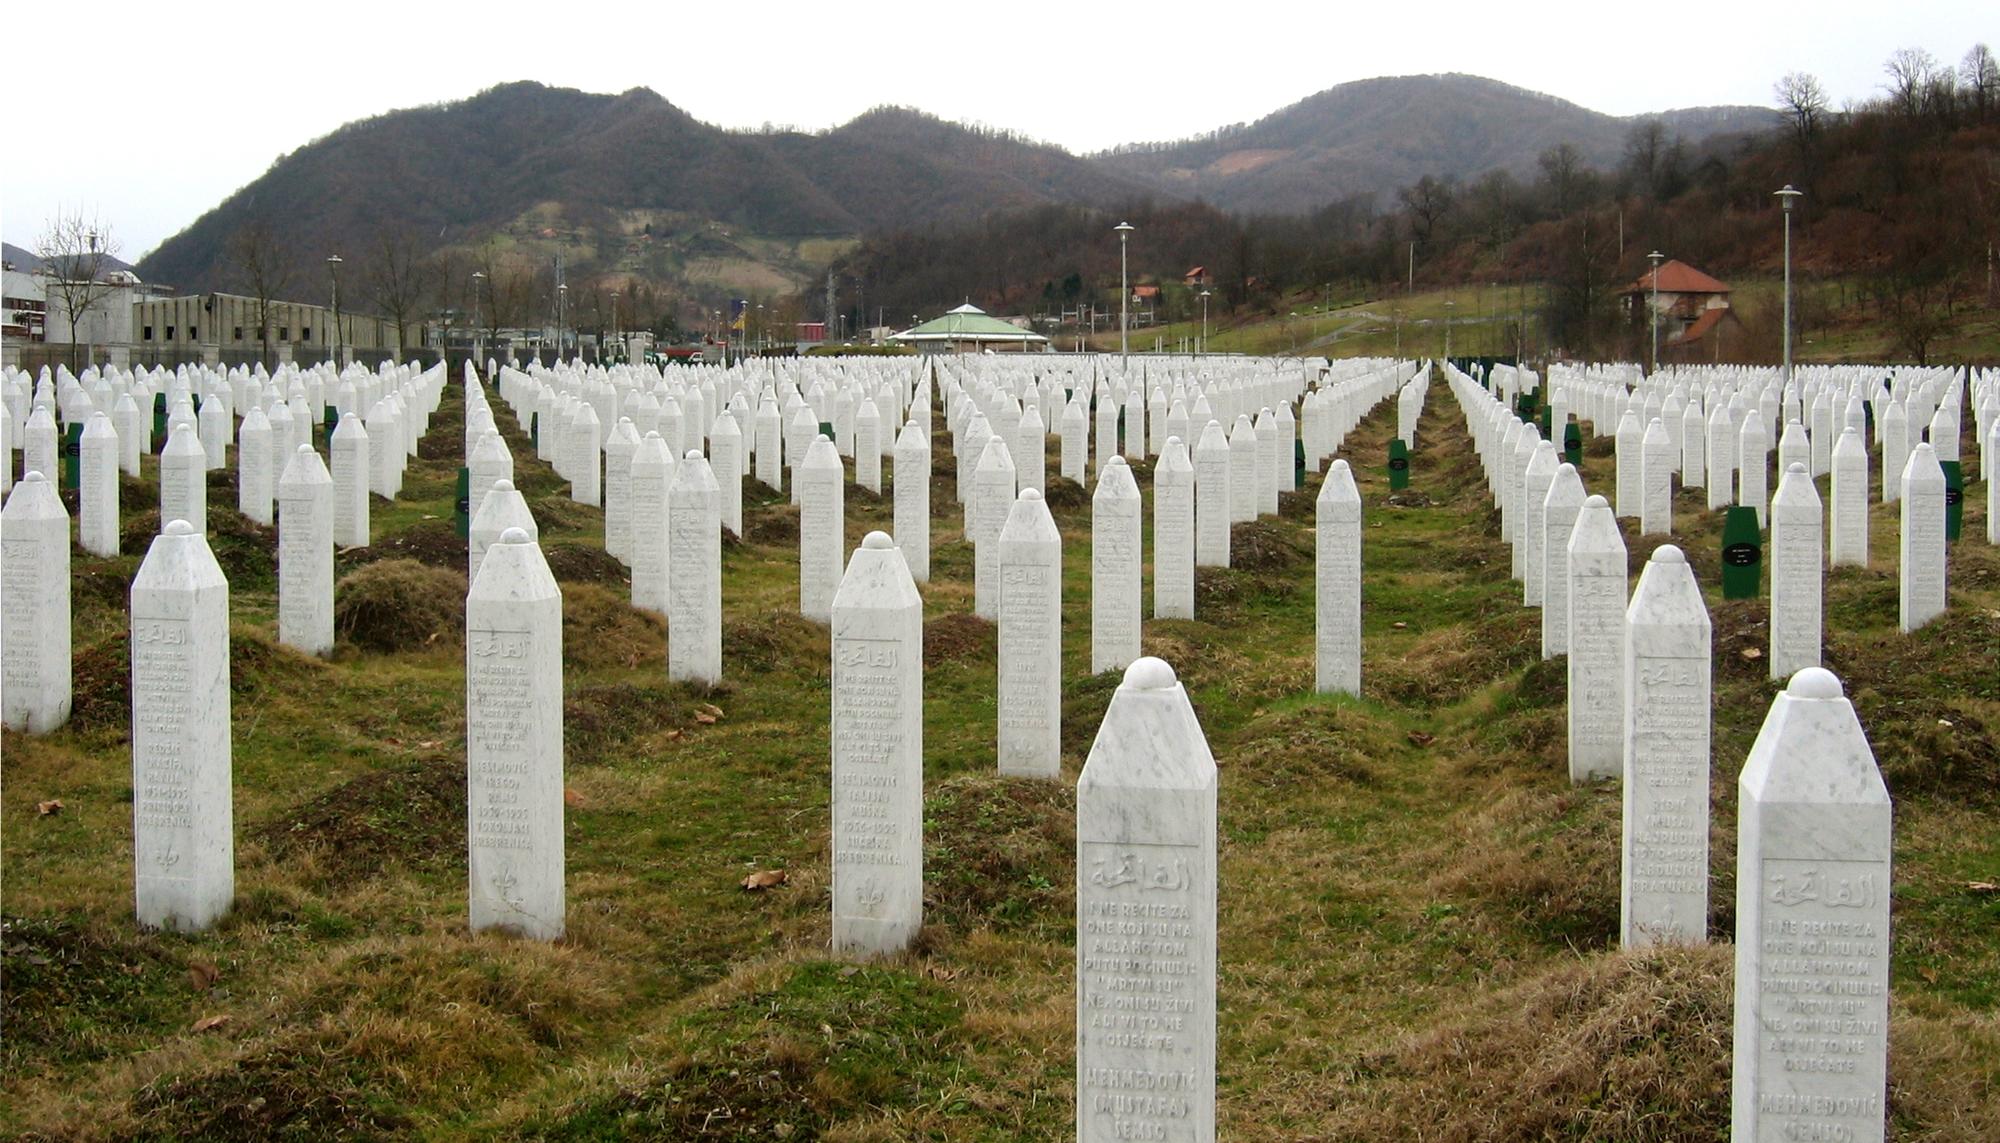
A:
(1399, 463)
(1742, 555)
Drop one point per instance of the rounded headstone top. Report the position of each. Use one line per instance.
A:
(1565, 466)
(877, 542)
(654, 435)
(514, 536)
(179, 528)
(1924, 446)
(1595, 500)
(1149, 674)
(1176, 440)
(823, 437)
(1030, 494)
(303, 448)
(1814, 683)
(503, 486)
(1796, 466)
(34, 478)
(1115, 461)
(1669, 554)
(624, 420)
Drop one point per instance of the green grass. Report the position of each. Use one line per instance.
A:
(1416, 904)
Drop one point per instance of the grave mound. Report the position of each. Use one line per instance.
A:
(771, 524)
(556, 512)
(1543, 859)
(574, 562)
(958, 636)
(435, 543)
(407, 816)
(247, 550)
(75, 990)
(1065, 495)
(999, 854)
(1317, 743)
(602, 629)
(601, 716)
(101, 686)
(399, 605)
(1445, 665)
(1264, 545)
(1628, 1046)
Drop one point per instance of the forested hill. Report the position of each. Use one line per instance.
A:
(1374, 135)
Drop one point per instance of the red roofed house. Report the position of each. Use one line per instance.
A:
(1690, 306)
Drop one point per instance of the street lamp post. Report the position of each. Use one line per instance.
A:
(614, 325)
(1124, 230)
(333, 272)
(1448, 303)
(1653, 307)
(562, 315)
(1786, 198)
(1204, 321)
(478, 341)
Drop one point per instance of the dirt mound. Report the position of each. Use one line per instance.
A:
(246, 550)
(602, 629)
(1065, 495)
(295, 1090)
(1263, 545)
(410, 815)
(434, 543)
(1632, 1047)
(597, 718)
(1306, 744)
(101, 686)
(771, 524)
(959, 636)
(1545, 859)
(1444, 666)
(780, 640)
(399, 605)
(573, 561)
(556, 512)
(999, 853)
(73, 992)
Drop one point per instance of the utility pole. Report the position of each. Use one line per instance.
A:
(829, 298)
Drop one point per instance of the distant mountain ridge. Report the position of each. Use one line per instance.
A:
(631, 185)
(1371, 136)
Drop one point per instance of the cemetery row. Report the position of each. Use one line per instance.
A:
(1146, 858)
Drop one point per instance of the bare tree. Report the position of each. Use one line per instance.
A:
(264, 271)
(1427, 200)
(398, 279)
(1980, 77)
(1562, 171)
(76, 253)
(1803, 102)
(1909, 72)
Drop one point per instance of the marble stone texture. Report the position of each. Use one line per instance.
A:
(1029, 575)
(35, 671)
(305, 554)
(1146, 872)
(1337, 583)
(1810, 1050)
(514, 743)
(1115, 563)
(1797, 574)
(877, 735)
(183, 831)
(1668, 703)
(694, 572)
(1597, 601)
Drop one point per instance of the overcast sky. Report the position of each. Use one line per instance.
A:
(179, 106)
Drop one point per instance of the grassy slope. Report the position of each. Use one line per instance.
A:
(1484, 317)
(1417, 913)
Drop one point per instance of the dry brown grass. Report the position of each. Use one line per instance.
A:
(1631, 1047)
(399, 605)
